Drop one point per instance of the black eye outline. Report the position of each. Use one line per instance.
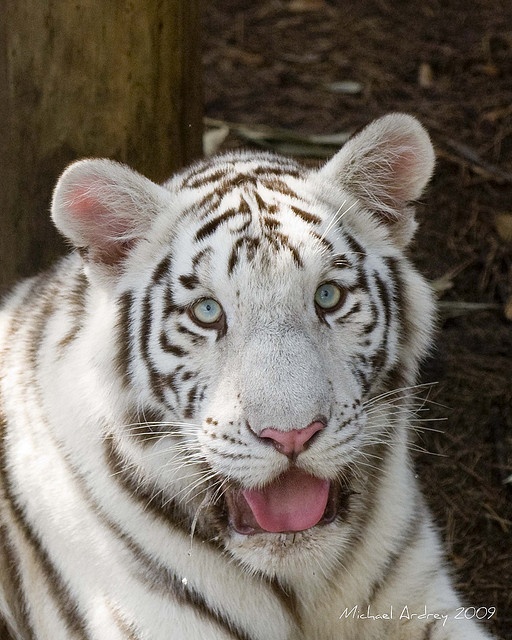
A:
(216, 322)
(339, 298)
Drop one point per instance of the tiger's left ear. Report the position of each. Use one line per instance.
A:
(385, 167)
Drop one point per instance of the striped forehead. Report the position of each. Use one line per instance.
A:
(256, 212)
(256, 216)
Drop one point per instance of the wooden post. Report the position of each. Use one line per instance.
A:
(89, 78)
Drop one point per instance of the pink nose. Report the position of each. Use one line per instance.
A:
(291, 443)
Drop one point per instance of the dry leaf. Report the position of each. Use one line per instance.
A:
(306, 5)
(455, 308)
(442, 284)
(425, 76)
(350, 87)
(213, 138)
(508, 310)
(503, 223)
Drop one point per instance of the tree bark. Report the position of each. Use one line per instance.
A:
(89, 78)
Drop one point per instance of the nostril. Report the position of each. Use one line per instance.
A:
(291, 443)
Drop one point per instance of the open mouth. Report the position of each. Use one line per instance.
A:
(295, 501)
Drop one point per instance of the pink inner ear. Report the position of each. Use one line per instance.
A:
(83, 205)
(405, 185)
(103, 228)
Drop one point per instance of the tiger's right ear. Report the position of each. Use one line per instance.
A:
(103, 207)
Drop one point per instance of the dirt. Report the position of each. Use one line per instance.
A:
(314, 66)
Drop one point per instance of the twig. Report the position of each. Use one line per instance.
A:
(458, 308)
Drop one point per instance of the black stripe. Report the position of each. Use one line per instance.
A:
(159, 578)
(203, 177)
(364, 285)
(428, 630)
(356, 249)
(6, 635)
(123, 337)
(234, 256)
(169, 511)
(200, 255)
(380, 358)
(170, 379)
(364, 489)
(189, 281)
(251, 246)
(260, 203)
(281, 241)
(326, 244)
(270, 223)
(64, 602)
(354, 310)
(196, 338)
(274, 183)
(287, 597)
(235, 182)
(282, 168)
(129, 630)
(211, 226)
(188, 412)
(369, 328)
(361, 370)
(168, 347)
(146, 424)
(400, 301)
(12, 587)
(207, 204)
(396, 379)
(75, 299)
(310, 218)
(155, 378)
(161, 270)
(392, 563)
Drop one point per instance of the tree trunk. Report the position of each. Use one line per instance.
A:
(89, 78)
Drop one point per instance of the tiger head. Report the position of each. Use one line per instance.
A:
(268, 326)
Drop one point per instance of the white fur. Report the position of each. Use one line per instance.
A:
(277, 365)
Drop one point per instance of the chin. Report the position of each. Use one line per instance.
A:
(289, 557)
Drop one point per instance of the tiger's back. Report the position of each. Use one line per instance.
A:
(205, 409)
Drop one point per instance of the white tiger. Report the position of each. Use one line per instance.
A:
(206, 409)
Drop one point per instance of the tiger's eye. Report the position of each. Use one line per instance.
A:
(207, 311)
(328, 296)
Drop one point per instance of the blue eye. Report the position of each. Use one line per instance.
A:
(328, 296)
(207, 311)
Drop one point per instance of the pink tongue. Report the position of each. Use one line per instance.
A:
(294, 502)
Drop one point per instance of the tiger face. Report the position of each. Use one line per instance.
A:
(267, 327)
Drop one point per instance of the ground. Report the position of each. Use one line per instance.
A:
(321, 67)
